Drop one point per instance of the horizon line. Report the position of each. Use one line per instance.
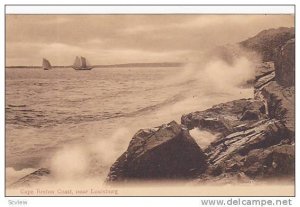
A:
(174, 64)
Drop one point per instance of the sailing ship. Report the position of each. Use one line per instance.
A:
(81, 63)
(46, 64)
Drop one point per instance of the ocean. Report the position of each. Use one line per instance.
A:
(78, 122)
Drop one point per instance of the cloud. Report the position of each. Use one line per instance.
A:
(64, 54)
(151, 36)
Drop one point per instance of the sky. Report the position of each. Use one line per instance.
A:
(114, 39)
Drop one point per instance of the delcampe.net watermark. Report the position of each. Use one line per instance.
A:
(246, 202)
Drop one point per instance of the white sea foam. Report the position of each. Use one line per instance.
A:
(89, 129)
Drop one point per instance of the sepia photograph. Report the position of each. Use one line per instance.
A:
(149, 105)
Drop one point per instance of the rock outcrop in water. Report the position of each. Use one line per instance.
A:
(32, 179)
(166, 152)
(255, 137)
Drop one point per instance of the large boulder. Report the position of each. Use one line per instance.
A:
(167, 152)
(285, 64)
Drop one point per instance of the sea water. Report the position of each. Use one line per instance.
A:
(79, 122)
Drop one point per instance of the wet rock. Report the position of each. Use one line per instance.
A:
(223, 179)
(261, 82)
(248, 128)
(33, 178)
(280, 104)
(277, 160)
(225, 118)
(259, 135)
(213, 124)
(265, 73)
(263, 69)
(285, 64)
(275, 87)
(250, 115)
(167, 152)
(214, 170)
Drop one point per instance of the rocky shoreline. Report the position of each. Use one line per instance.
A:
(255, 138)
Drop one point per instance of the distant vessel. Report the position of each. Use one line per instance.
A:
(81, 63)
(46, 64)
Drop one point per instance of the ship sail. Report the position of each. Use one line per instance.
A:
(46, 64)
(77, 62)
(81, 63)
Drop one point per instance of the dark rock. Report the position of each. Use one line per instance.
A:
(224, 118)
(280, 104)
(278, 98)
(168, 152)
(267, 42)
(234, 167)
(247, 128)
(244, 151)
(214, 170)
(250, 115)
(118, 169)
(261, 82)
(259, 135)
(223, 179)
(277, 160)
(32, 179)
(263, 69)
(285, 64)
(213, 124)
(265, 73)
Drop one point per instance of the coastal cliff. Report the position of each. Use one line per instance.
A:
(254, 137)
